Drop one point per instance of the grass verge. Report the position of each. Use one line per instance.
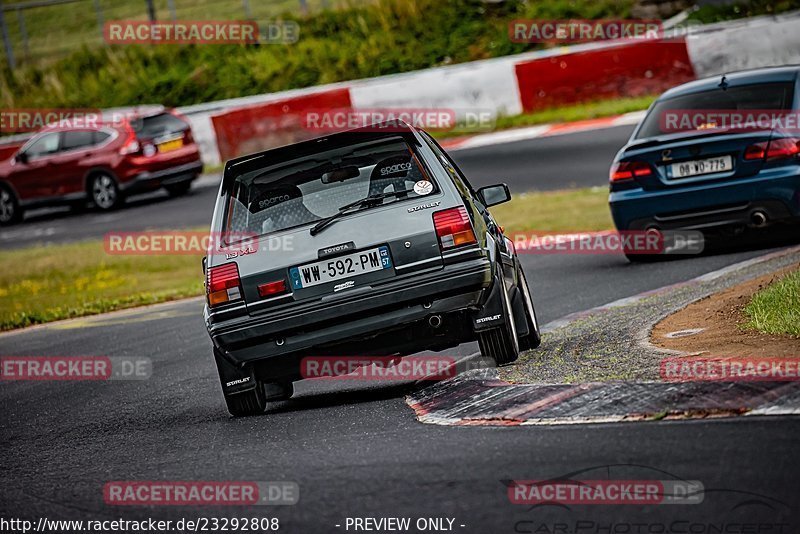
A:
(47, 283)
(563, 114)
(567, 210)
(776, 309)
(577, 112)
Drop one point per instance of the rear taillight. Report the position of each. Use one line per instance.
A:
(453, 228)
(272, 289)
(187, 133)
(757, 151)
(131, 145)
(627, 170)
(222, 284)
(784, 147)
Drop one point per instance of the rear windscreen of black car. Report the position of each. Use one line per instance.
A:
(764, 96)
(156, 126)
(305, 190)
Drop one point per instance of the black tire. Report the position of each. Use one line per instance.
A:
(247, 403)
(104, 191)
(278, 391)
(179, 189)
(534, 338)
(643, 258)
(501, 343)
(10, 210)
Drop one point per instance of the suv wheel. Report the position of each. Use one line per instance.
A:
(176, 190)
(534, 337)
(10, 211)
(501, 343)
(104, 191)
(643, 258)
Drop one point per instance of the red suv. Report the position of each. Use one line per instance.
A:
(102, 164)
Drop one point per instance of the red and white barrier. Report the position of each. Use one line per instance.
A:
(503, 86)
(552, 77)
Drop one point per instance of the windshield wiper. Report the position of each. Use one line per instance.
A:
(364, 202)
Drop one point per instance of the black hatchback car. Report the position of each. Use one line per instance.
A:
(366, 242)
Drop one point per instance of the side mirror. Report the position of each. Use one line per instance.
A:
(491, 195)
(21, 157)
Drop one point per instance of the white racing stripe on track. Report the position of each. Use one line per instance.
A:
(550, 130)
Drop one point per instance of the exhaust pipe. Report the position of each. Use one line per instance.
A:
(435, 321)
(758, 219)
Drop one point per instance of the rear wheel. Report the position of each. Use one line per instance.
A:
(10, 210)
(534, 338)
(104, 191)
(500, 343)
(246, 403)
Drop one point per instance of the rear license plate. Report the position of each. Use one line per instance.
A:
(339, 268)
(686, 169)
(170, 145)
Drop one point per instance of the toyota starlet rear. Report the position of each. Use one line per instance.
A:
(352, 244)
(718, 155)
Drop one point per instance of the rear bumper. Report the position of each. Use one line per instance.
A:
(148, 180)
(776, 192)
(389, 307)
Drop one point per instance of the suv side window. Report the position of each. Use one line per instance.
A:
(44, 146)
(77, 139)
(99, 137)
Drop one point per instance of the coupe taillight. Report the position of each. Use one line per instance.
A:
(627, 170)
(454, 228)
(223, 284)
(784, 147)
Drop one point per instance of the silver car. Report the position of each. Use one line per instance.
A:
(369, 241)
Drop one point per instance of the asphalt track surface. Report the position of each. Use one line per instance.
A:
(356, 449)
(546, 163)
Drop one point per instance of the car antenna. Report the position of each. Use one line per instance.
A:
(723, 83)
